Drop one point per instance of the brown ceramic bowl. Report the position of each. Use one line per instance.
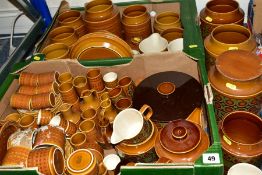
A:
(71, 18)
(172, 33)
(63, 34)
(166, 20)
(135, 14)
(56, 51)
(98, 10)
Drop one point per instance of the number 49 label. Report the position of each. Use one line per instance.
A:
(211, 158)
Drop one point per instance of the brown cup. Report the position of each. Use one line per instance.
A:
(95, 79)
(90, 114)
(171, 34)
(49, 160)
(64, 34)
(56, 51)
(104, 96)
(47, 88)
(115, 94)
(166, 20)
(71, 128)
(123, 103)
(16, 156)
(128, 86)
(28, 121)
(79, 140)
(98, 10)
(47, 77)
(80, 83)
(110, 80)
(20, 101)
(41, 101)
(13, 117)
(65, 77)
(27, 90)
(28, 79)
(44, 117)
(68, 93)
(50, 135)
(89, 128)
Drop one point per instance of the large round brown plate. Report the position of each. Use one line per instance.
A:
(100, 45)
(179, 103)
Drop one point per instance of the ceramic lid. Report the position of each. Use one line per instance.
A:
(180, 136)
(170, 94)
(239, 65)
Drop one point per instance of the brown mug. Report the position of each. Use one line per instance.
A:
(65, 77)
(56, 51)
(21, 101)
(115, 94)
(79, 140)
(68, 93)
(64, 34)
(47, 88)
(44, 117)
(128, 86)
(90, 114)
(89, 128)
(41, 101)
(27, 90)
(71, 128)
(28, 79)
(80, 83)
(95, 79)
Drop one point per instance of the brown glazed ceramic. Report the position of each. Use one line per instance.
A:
(50, 135)
(16, 156)
(44, 117)
(27, 90)
(80, 83)
(7, 128)
(110, 80)
(71, 128)
(220, 12)
(166, 20)
(241, 138)
(95, 79)
(28, 121)
(99, 10)
(89, 128)
(21, 101)
(68, 114)
(108, 111)
(47, 88)
(15, 117)
(82, 162)
(79, 140)
(128, 86)
(41, 101)
(72, 18)
(23, 138)
(105, 130)
(90, 100)
(123, 103)
(104, 96)
(68, 93)
(90, 114)
(236, 82)
(28, 79)
(115, 94)
(65, 77)
(47, 78)
(181, 141)
(228, 37)
(171, 34)
(136, 23)
(56, 51)
(64, 34)
(49, 160)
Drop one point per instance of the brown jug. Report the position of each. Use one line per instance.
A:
(108, 111)
(68, 114)
(90, 100)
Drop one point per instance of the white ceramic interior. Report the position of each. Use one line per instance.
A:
(110, 77)
(55, 121)
(154, 43)
(176, 45)
(127, 124)
(111, 161)
(244, 169)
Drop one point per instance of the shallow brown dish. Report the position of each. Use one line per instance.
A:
(100, 45)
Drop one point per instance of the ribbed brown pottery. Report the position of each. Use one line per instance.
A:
(64, 34)
(236, 82)
(73, 18)
(56, 51)
(102, 15)
(68, 93)
(68, 114)
(16, 156)
(27, 90)
(90, 100)
(21, 101)
(47, 77)
(228, 37)
(79, 140)
(44, 117)
(95, 79)
(50, 135)
(49, 160)
(166, 20)
(241, 138)
(65, 77)
(136, 23)
(80, 83)
(41, 101)
(220, 12)
(115, 94)
(27, 121)
(28, 79)
(47, 88)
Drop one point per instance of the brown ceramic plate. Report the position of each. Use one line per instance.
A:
(191, 156)
(179, 103)
(140, 149)
(100, 45)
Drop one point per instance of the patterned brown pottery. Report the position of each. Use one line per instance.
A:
(49, 160)
(64, 34)
(228, 37)
(241, 138)
(182, 140)
(236, 82)
(23, 139)
(16, 155)
(219, 12)
(6, 129)
(136, 23)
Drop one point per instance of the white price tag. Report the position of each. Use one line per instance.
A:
(211, 158)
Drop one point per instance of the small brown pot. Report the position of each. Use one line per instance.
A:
(79, 140)
(65, 77)
(68, 93)
(71, 128)
(171, 34)
(128, 86)
(166, 20)
(56, 51)
(90, 114)
(63, 34)
(47, 77)
(89, 128)
(41, 101)
(28, 79)
(49, 160)
(115, 94)
(123, 103)
(20, 101)
(98, 10)
(95, 79)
